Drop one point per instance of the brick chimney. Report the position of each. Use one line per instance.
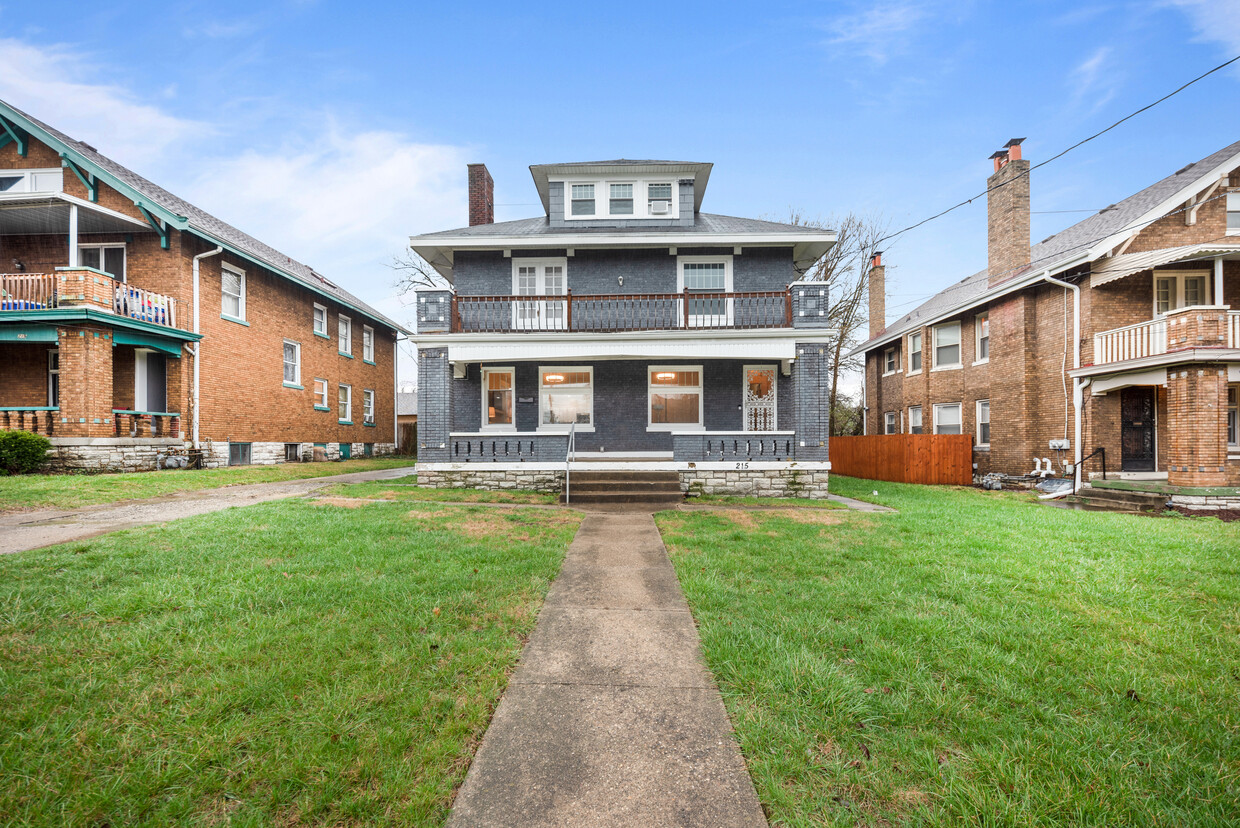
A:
(481, 195)
(878, 294)
(1007, 213)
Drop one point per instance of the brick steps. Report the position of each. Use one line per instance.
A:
(609, 487)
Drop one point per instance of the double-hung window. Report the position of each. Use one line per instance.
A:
(368, 343)
(947, 418)
(344, 409)
(1233, 214)
(320, 395)
(344, 331)
(292, 363)
(566, 397)
(497, 399)
(983, 422)
(109, 258)
(320, 320)
(707, 279)
(620, 201)
(1173, 290)
(889, 426)
(889, 361)
(675, 393)
(32, 181)
(659, 199)
(914, 419)
(232, 293)
(1233, 416)
(582, 199)
(947, 346)
(982, 328)
(914, 352)
(368, 406)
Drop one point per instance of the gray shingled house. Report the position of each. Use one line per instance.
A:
(626, 333)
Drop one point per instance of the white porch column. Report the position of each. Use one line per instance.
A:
(1218, 280)
(73, 236)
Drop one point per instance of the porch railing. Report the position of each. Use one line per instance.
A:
(145, 305)
(27, 291)
(598, 313)
(127, 423)
(39, 419)
(1147, 339)
(530, 447)
(744, 446)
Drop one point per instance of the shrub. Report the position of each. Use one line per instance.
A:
(22, 452)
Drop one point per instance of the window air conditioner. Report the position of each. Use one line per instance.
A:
(660, 208)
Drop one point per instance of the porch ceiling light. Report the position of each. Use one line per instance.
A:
(552, 379)
(665, 376)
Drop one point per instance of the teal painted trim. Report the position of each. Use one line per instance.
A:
(368, 361)
(146, 413)
(369, 425)
(5, 140)
(343, 354)
(322, 408)
(345, 422)
(16, 134)
(31, 408)
(98, 317)
(89, 181)
(234, 319)
(325, 336)
(28, 333)
(294, 385)
(161, 229)
(146, 340)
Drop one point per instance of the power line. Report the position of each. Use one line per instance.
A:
(1083, 141)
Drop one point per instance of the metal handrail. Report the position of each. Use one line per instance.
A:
(1100, 450)
(570, 454)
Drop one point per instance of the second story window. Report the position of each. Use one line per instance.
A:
(232, 293)
(109, 258)
(914, 352)
(292, 363)
(32, 181)
(947, 345)
(583, 199)
(621, 201)
(368, 343)
(659, 199)
(1174, 290)
(982, 324)
(344, 329)
(707, 279)
(889, 361)
(1233, 214)
(320, 320)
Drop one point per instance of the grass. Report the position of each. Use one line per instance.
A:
(977, 658)
(405, 490)
(285, 663)
(781, 502)
(66, 491)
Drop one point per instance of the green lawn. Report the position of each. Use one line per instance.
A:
(977, 658)
(780, 502)
(406, 490)
(285, 663)
(51, 491)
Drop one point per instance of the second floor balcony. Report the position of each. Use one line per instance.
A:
(1181, 330)
(85, 288)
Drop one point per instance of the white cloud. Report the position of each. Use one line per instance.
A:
(878, 31)
(1095, 80)
(54, 84)
(1214, 20)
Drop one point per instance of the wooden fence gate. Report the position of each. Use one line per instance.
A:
(905, 458)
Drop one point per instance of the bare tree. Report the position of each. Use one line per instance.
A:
(413, 272)
(846, 270)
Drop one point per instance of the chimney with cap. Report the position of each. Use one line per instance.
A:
(878, 294)
(481, 195)
(1007, 213)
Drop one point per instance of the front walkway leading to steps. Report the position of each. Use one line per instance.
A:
(612, 718)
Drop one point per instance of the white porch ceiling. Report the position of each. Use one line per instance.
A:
(1108, 270)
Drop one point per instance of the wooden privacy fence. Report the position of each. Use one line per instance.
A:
(905, 458)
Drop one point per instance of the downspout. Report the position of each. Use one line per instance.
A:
(1077, 402)
(197, 352)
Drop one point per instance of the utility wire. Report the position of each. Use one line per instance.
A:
(1083, 141)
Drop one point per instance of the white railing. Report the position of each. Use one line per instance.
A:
(1233, 329)
(145, 305)
(27, 291)
(569, 456)
(1132, 342)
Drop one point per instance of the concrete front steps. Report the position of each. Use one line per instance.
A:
(1116, 500)
(615, 487)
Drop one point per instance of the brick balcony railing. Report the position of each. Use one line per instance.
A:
(85, 288)
(1179, 330)
(37, 419)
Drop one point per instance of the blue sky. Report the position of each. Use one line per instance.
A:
(333, 131)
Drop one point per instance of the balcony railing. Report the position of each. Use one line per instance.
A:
(43, 291)
(40, 419)
(27, 291)
(621, 312)
(145, 305)
(1180, 330)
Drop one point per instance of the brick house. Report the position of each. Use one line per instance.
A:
(134, 325)
(1117, 334)
(627, 327)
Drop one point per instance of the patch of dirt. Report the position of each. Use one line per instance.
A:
(753, 518)
(1225, 515)
(912, 798)
(344, 502)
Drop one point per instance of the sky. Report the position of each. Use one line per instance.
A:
(334, 131)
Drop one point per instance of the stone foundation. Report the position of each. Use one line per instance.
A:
(482, 476)
(1206, 503)
(759, 483)
(123, 454)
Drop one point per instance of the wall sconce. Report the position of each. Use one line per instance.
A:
(620, 281)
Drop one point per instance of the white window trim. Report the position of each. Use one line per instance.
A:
(368, 333)
(937, 406)
(348, 321)
(701, 392)
(368, 402)
(602, 197)
(977, 422)
(920, 414)
(1233, 391)
(124, 277)
(508, 369)
(564, 369)
(322, 399)
(314, 321)
(745, 369)
(934, 348)
(895, 361)
(236, 271)
(889, 423)
(728, 287)
(922, 350)
(1177, 277)
(53, 358)
(977, 338)
(28, 179)
(1232, 206)
(348, 418)
(296, 382)
(540, 262)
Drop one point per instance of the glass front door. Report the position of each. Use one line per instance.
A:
(760, 397)
(1137, 429)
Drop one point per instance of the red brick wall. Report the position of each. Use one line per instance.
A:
(85, 382)
(23, 373)
(1196, 409)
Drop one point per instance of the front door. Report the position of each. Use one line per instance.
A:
(760, 397)
(1137, 428)
(150, 381)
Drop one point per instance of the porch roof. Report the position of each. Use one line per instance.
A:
(48, 213)
(1109, 270)
(32, 325)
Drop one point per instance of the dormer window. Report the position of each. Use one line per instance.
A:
(621, 202)
(659, 199)
(32, 181)
(583, 199)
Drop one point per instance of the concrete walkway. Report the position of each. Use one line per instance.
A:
(30, 530)
(612, 718)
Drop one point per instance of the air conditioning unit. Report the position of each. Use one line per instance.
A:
(660, 208)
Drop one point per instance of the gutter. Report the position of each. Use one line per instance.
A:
(1077, 387)
(198, 345)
